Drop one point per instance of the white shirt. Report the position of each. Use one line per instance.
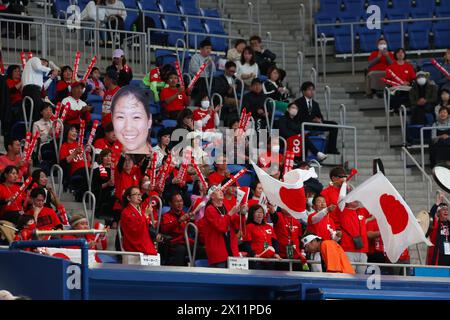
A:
(246, 68)
(111, 11)
(90, 12)
(309, 103)
(230, 80)
(75, 105)
(44, 128)
(33, 73)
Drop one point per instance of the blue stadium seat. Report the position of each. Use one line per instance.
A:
(169, 123)
(195, 25)
(59, 8)
(214, 27)
(356, 8)
(173, 23)
(155, 108)
(219, 44)
(392, 34)
(189, 7)
(131, 18)
(368, 39)
(443, 10)
(419, 35)
(165, 209)
(441, 30)
(423, 6)
(213, 13)
(149, 5)
(404, 5)
(202, 263)
(155, 129)
(246, 180)
(164, 56)
(131, 4)
(413, 134)
(168, 6)
(329, 6)
(342, 39)
(325, 18)
(320, 143)
(381, 3)
(397, 13)
(234, 168)
(96, 102)
(156, 37)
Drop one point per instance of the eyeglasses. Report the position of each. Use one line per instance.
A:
(342, 177)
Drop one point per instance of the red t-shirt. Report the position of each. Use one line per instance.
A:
(172, 227)
(47, 219)
(375, 244)
(405, 71)
(116, 147)
(5, 161)
(331, 195)
(353, 224)
(321, 228)
(288, 228)
(106, 107)
(7, 192)
(78, 162)
(178, 104)
(215, 178)
(229, 203)
(258, 235)
(61, 85)
(14, 94)
(199, 114)
(382, 64)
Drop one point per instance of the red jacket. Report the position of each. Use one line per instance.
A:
(216, 226)
(135, 233)
(172, 227)
(438, 227)
(382, 64)
(258, 235)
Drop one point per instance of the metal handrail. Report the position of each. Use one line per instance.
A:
(191, 255)
(313, 74)
(387, 103)
(422, 144)
(180, 63)
(323, 47)
(61, 137)
(343, 121)
(220, 102)
(269, 124)
(300, 62)
(28, 119)
(302, 20)
(317, 165)
(250, 15)
(60, 188)
(403, 115)
(92, 204)
(425, 176)
(323, 125)
(89, 170)
(239, 106)
(327, 94)
(158, 199)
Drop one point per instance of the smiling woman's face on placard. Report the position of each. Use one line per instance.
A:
(131, 125)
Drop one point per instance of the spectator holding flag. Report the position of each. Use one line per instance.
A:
(331, 193)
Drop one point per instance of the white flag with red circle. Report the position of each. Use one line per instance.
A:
(398, 225)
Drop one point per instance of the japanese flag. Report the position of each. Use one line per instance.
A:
(398, 226)
(242, 195)
(288, 195)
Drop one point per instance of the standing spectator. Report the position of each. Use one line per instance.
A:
(13, 158)
(14, 84)
(309, 111)
(331, 193)
(263, 57)
(220, 239)
(320, 223)
(289, 126)
(162, 148)
(247, 68)
(116, 14)
(11, 207)
(423, 98)
(111, 90)
(200, 88)
(352, 223)
(95, 84)
(438, 254)
(46, 218)
(207, 116)
(44, 125)
(109, 141)
(379, 60)
(332, 255)
(78, 109)
(229, 195)
(135, 224)
(376, 248)
(103, 184)
(119, 64)
(444, 102)
(444, 82)
(234, 54)
(63, 86)
(173, 98)
(273, 88)
(216, 177)
(256, 192)
(440, 142)
(405, 71)
(254, 101)
(226, 86)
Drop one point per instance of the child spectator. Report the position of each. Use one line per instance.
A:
(207, 116)
(379, 60)
(247, 69)
(95, 84)
(173, 98)
(13, 158)
(111, 90)
(44, 125)
(78, 109)
(11, 205)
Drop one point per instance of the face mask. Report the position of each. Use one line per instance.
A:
(205, 104)
(310, 201)
(293, 112)
(382, 47)
(421, 81)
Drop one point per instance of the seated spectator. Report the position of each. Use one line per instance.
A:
(289, 126)
(379, 60)
(440, 142)
(79, 222)
(162, 149)
(89, 12)
(273, 88)
(134, 224)
(40, 180)
(439, 236)
(444, 102)
(63, 86)
(221, 172)
(331, 193)
(109, 141)
(95, 84)
(14, 84)
(247, 69)
(71, 157)
(119, 65)
(200, 88)
(234, 54)
(309, 111)
(226, 86)
(206, 117)
(46, 218)
(78, 109)
(44, 125)
(263, 57)
(254, 101)
(26, 225)
(444, 82)
(405, 71)
(173, 98)
(156, 80)
(13, 158)
(220, 239)
(423, 98)
(103, 184)
(331, 254)
(11, 200)
(111, 90)
(116, 15)
(173, 224)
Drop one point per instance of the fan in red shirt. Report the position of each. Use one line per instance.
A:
(109, 141)
(13, 158)
(229, 198)
(173, 98)
(79, 222)
(14, 84)
(26, 226)
(134, 224)
(220, 238)
(320, 223)
(46, 218)
(71, 155)
(112, 87)
(257, 191)
(260, 240)
(379, 60)
(271, 160)
(331, 193)
(11, 200)
(206, 117)
(216, 177)
(62, 86)
(78, 109)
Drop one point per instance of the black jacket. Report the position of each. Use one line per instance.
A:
(303, 114)
(123, 78)
(222, 87)
(289, 127)
(265, 60)
(253, 102)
